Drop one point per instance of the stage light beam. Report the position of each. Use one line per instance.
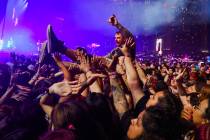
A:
(1, 44)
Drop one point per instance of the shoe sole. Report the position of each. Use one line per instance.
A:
(49, 46)
(43, 52)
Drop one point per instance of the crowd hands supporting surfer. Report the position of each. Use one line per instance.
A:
(112, 97)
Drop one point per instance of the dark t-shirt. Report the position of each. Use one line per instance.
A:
(140, 106)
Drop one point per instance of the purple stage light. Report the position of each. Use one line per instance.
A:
(1, 44)
(79, 23)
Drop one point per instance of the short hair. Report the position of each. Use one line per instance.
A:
(81, 49)
(119, 32)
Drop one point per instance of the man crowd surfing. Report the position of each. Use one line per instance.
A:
(112, 97)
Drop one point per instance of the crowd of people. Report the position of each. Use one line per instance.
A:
(112, 97)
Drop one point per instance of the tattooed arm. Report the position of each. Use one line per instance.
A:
(119, 98)
(114, 21)
(141, 73)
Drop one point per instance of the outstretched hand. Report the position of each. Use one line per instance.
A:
(85, 65)
(129, 43)
(63, 88)
(79, 88)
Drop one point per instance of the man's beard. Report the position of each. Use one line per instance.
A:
(117, 44)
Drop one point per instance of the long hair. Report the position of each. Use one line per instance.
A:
(162, 120)
(102, 110)
(72, 114)
(60, 134)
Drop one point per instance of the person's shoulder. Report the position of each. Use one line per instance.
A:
(141, 105)
(143, 100)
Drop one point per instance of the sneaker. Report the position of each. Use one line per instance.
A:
(54, 45)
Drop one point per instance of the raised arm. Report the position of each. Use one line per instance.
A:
(46, 107)
(132, 75)
(82, 79)
(114, 22)
(7, 94)
(85, 66)
(79, 88)
(141, 73)
(60, 64)
(180, 88)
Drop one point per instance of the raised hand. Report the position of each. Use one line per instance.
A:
(181, 74)
(63, 88)
(129, 43)
(113, 20)
(96, 75)
(79, 88)
(85, 65)
(57, 57)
